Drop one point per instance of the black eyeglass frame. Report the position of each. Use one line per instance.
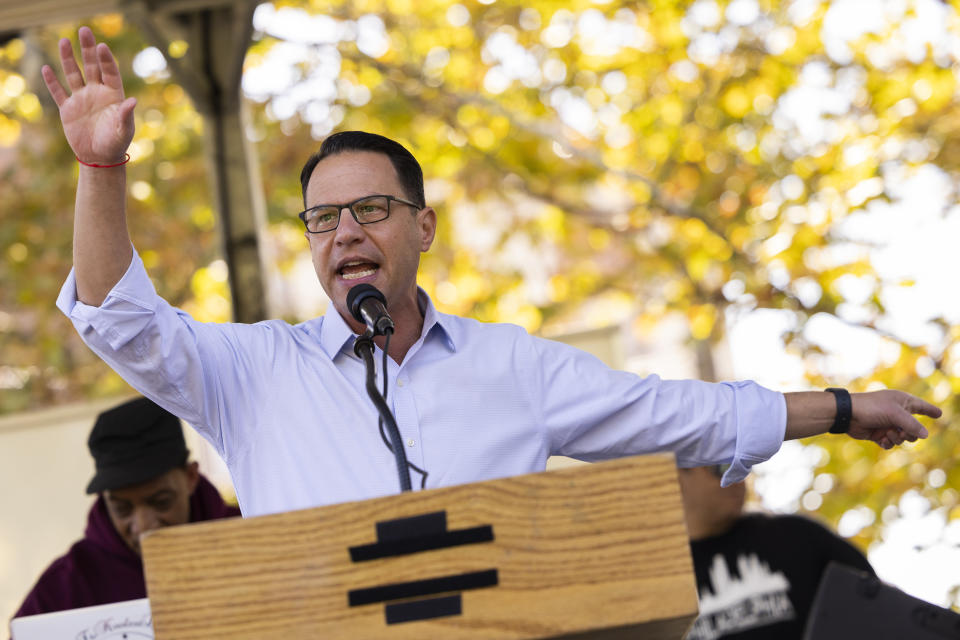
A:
(349, 206)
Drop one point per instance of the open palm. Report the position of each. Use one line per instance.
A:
(97, 119)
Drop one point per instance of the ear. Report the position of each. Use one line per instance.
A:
(427, 227)
(193, 476)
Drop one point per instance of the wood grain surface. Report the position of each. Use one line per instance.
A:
(591, 551)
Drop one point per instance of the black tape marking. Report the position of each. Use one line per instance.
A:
(426, 532)
(402, 547)
(424, 609)
(427, 524)
(428, 587)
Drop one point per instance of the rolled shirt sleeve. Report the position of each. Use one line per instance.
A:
(124, 313)
(592, 412)
(151, 345)
(761, 427)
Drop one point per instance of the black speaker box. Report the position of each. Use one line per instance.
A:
(853, 604)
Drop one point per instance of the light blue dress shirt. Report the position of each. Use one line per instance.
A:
(285, 405)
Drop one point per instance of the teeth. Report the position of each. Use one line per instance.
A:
(359, 274)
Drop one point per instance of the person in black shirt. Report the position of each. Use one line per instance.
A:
(757, 574)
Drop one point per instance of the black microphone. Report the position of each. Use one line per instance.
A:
(368, 306)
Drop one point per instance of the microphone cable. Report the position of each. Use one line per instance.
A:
(383, 435)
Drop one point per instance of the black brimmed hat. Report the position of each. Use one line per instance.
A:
(134, 443)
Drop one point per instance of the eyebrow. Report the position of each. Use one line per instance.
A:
(344, 204)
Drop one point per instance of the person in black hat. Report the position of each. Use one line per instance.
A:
(142, 469)
(145, 481)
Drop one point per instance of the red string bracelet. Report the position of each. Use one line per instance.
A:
(126, 159)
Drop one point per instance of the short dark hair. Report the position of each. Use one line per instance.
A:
(407, 168)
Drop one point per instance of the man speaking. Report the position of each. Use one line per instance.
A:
(285, 405)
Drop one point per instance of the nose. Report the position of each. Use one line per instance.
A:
(142, 521)
(349, 230)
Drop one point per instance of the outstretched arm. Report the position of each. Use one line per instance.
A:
(98, 124)
(885, 417)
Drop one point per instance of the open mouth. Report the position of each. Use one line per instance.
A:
(358, 269)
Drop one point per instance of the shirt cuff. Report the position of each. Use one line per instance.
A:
(761, 426)
(123, 313)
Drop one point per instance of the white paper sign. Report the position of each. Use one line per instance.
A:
(130, 620)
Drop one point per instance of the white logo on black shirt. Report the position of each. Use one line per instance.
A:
(758, 598)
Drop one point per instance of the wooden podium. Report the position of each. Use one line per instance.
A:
(594, 551)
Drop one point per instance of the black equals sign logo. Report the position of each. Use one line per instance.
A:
(405, 536)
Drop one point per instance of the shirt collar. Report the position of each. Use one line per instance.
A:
(446, 328)
(336, 335)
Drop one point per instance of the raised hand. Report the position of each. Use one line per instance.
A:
(886, 417)
(97, 119)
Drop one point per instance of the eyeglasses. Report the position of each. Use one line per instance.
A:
(367, 210)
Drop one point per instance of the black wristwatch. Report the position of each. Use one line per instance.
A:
(841, 423)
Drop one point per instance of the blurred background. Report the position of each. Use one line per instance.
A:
(716, 189)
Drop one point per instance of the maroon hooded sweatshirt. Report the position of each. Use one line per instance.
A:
(101, 568)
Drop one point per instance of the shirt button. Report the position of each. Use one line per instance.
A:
(411, 442)
(399, 383)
